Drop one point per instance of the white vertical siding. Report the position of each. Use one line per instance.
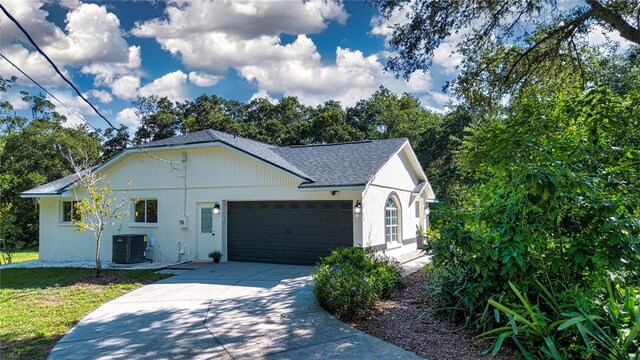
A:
(397, 173)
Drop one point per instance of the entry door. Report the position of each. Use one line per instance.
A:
(206, 231)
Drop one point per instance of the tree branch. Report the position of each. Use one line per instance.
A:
(615, 20)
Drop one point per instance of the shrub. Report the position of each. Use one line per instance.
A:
(350, 280)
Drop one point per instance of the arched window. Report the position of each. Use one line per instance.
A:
(391, 220)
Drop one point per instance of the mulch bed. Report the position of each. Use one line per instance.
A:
(407, 321)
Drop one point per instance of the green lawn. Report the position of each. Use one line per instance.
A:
(22, 255)
(38, 306)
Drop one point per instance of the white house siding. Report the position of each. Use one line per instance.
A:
(396, 177)
(213, 174)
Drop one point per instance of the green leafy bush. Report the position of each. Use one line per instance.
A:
(556, 201)
(350, 280)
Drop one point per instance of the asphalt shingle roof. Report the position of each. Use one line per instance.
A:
(325, 165)
(341, 164)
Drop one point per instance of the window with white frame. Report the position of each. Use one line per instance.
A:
(391, 220)
(145, 211)
(69, 211)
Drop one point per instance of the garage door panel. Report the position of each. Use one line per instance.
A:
(297, 232)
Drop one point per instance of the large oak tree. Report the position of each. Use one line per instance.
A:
(507, 44)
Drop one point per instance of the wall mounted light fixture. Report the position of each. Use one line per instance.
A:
(358, 208)
(216, 208)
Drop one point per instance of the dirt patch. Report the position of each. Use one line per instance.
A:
(103, 279)
(407, 321)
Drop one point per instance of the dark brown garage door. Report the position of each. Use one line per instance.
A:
(287, 232)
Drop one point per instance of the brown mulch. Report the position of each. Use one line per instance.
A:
(406, 320)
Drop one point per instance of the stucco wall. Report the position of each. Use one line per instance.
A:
(212, 175)
(398, 178)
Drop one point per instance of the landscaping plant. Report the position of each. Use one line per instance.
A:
(555, 203)
(351, 279)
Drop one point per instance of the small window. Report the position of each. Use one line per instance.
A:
(146, 211)
(417, 204)
(391, 221)
(69, 211)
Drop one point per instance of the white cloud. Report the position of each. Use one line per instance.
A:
(32, 18)
(600, 36)
(440, 98)
(263, 94)
(170, 85)
(92, 35)
(75, 108)
(102, 95)
(447, 57)
(15, 99)
(353, 77)
(384, 27)
(125, 87)
(31, 63)
(215, 37)
(92, 39)
(203, 79)
(249, 19)
(128, 117)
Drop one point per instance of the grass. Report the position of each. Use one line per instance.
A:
(22, 255)
(38, 306)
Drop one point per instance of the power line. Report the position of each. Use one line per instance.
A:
(71, 111)
(24, 31)
(53, 96)
(54, 65)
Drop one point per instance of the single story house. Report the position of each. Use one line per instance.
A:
(208, 190)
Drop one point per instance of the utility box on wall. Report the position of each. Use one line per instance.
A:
(128, 248)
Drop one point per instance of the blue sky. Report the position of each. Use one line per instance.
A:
(114, 51)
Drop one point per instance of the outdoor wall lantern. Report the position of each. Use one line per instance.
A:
(358, 208)
(216, 208)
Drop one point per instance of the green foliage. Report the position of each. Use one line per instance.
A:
(614, 332)
(8, 244)
(215, 255)
(565, 330)
(533, 331)
(350, 280)
(556, 199)
(32, 155)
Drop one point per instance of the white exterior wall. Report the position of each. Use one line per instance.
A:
(213, 174)
(396, 177)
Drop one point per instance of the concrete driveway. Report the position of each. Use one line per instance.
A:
(222, 311)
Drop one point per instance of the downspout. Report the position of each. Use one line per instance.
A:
(184, 195)
(182, 251)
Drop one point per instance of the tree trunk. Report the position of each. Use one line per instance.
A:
(98, 264)
(616, 21)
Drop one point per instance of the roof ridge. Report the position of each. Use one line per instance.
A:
(343, 143)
